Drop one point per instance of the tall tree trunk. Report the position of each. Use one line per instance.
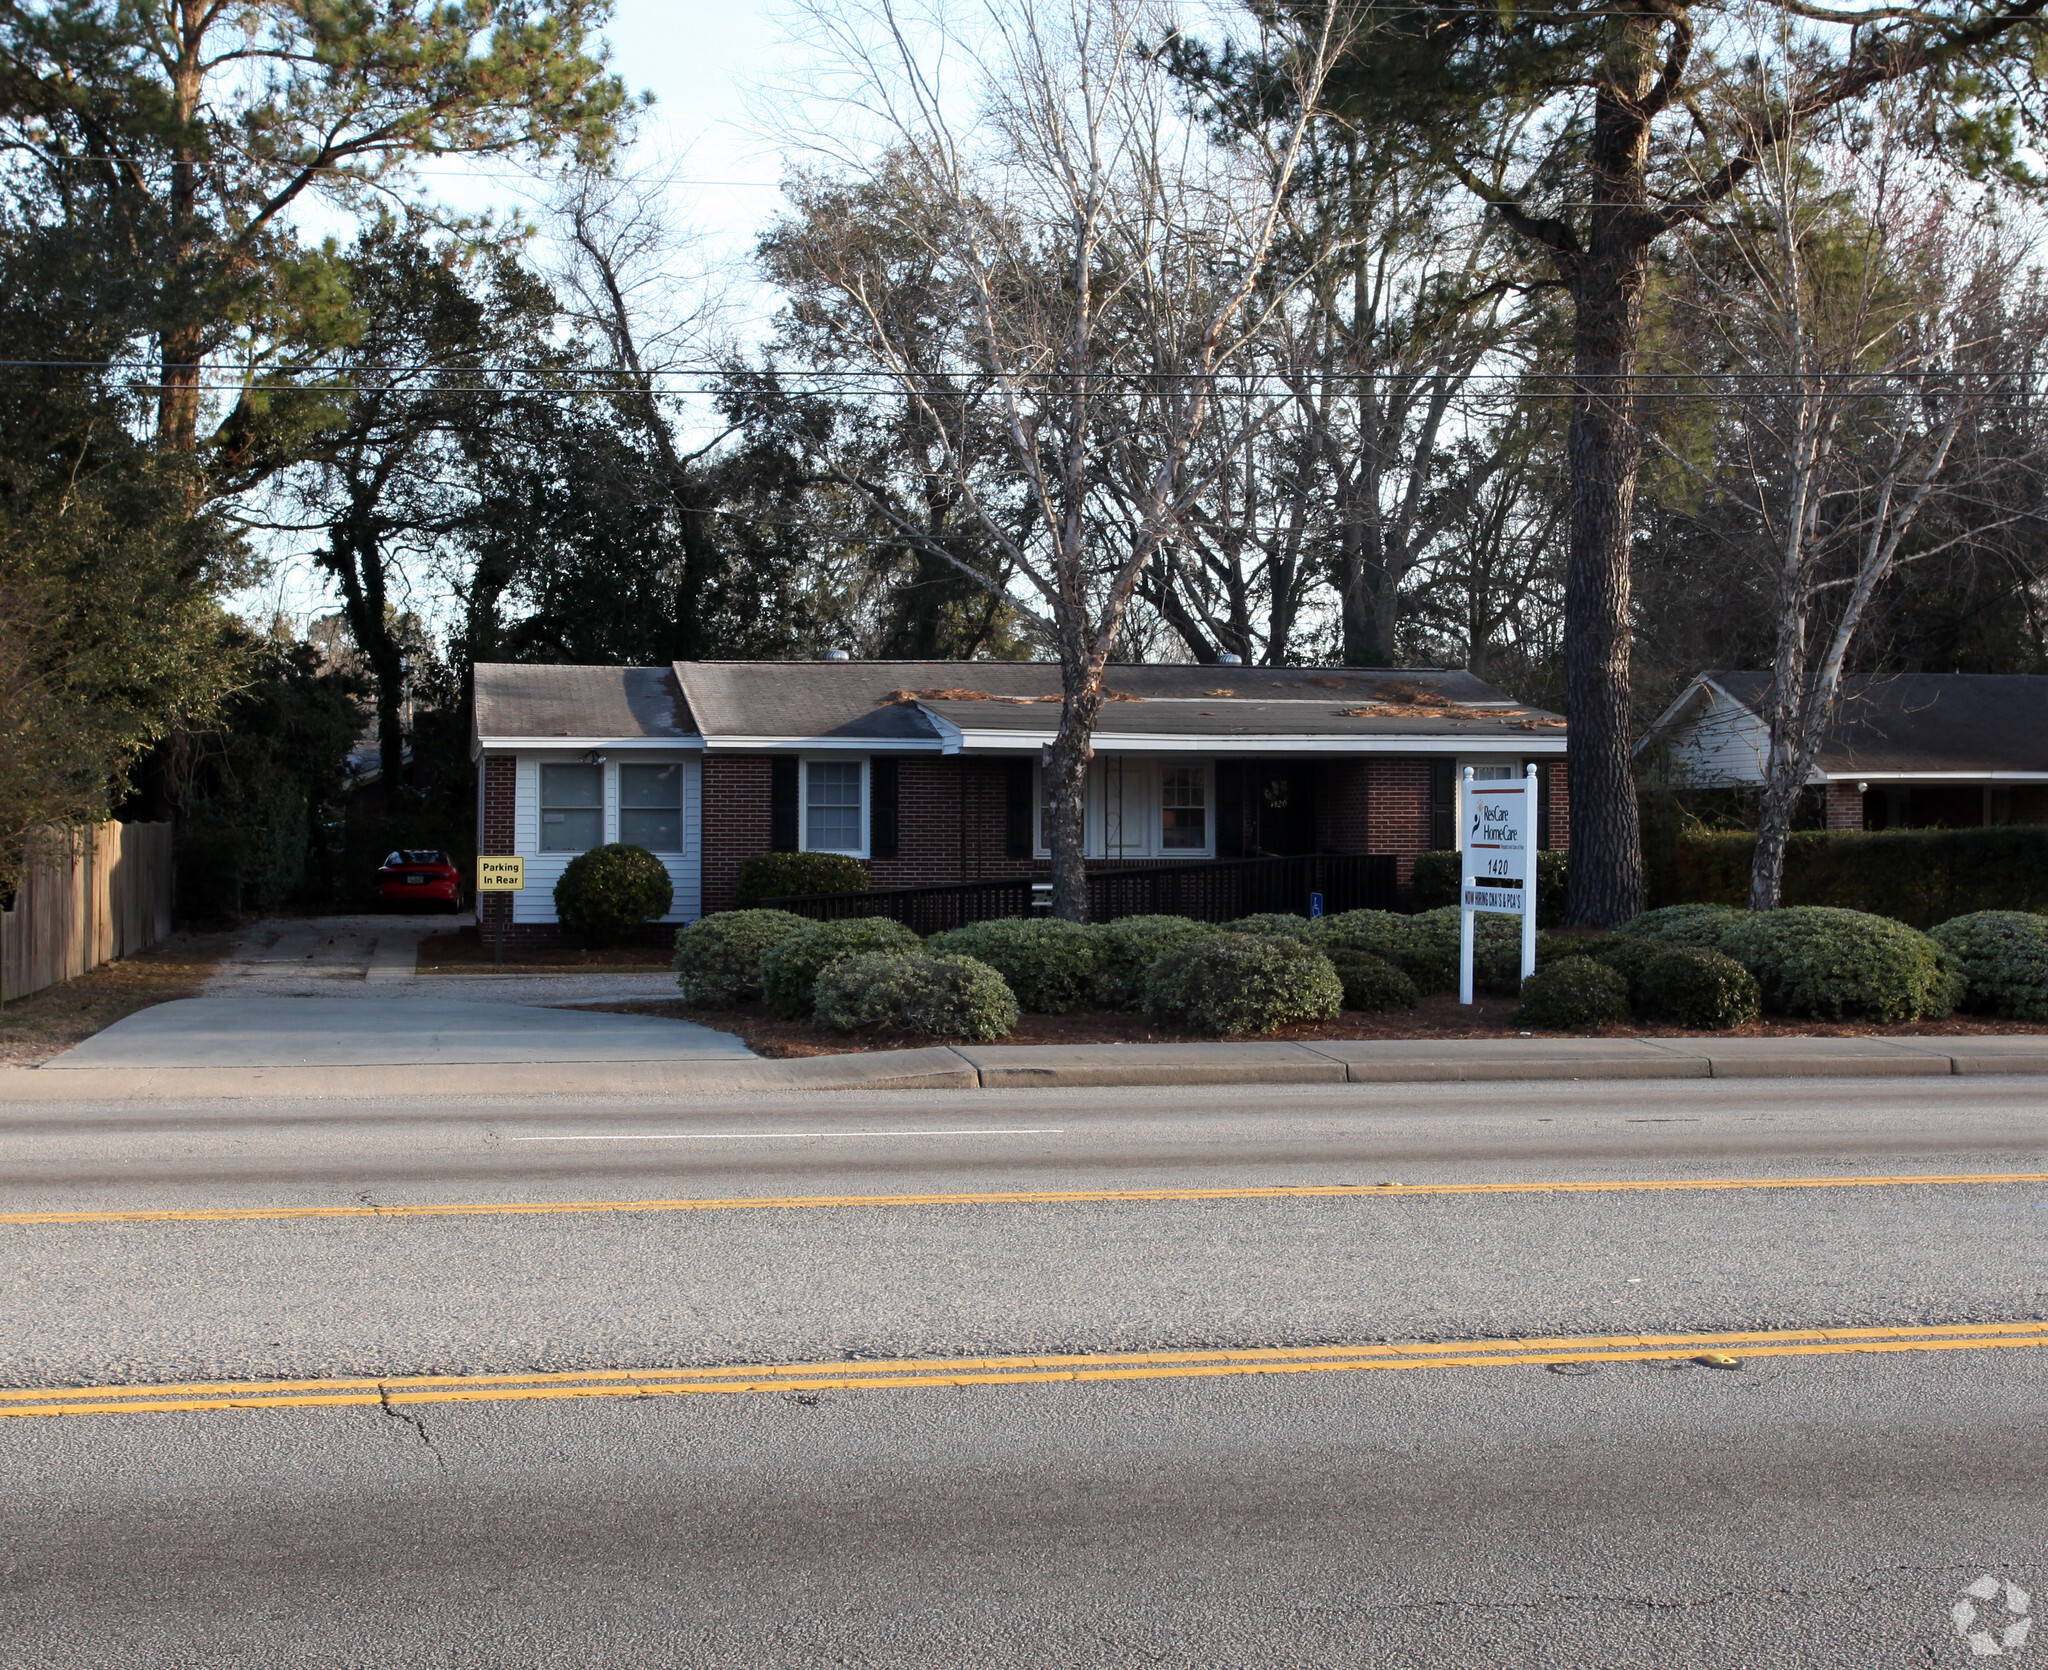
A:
(1371, 597)
(1072, 750)
(1605, 448)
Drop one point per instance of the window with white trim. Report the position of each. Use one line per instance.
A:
(571, 807)
(835, 806)
(651, 807)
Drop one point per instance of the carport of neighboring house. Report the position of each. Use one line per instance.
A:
(932, 773)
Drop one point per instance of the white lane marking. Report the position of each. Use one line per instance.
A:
(758, 1136)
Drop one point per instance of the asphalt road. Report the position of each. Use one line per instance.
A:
(1797, 1509)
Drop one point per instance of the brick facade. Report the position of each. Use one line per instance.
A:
(1343, 806)
(1845, 806)
(500, 783)
(735, 825)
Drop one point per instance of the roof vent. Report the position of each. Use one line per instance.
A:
(838, 655)
(1230, 661)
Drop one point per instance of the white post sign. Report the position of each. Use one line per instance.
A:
(1495, 821)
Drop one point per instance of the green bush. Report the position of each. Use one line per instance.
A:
(1573, 994)
(1371, 982)
(1689, 985)
(1284, 923)
(1629, 958)
(1842, 965)
(1496, 946)
(2002, 957)
(1919, 876)
(607, 892)
(790, 968)
(788, 875)
(1414, 950)
(1440, 876)
(1051, 964)
(1551, 946)
(1232, 984)
(718, 960)
(911, 991)
(1696, 925)
(1129, 946)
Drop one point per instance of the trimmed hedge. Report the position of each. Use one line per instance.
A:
(1414, 950)
(1439, 875)
(1371, 982)
(1233, 984)
(1573, 994)
(1630, 958)
(1284, 923)
(790, 969)
(1496, 946)
(1689, 985)
(1919, 876)
(718, 960)
(910, 991)
(786, 875)
(1843, 965)
(1129, 946)
(1696, 925)
(1050, 963)
(2002, 956)
(607, 892)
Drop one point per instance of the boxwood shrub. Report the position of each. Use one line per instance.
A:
(1842, 964)
(1701, 925)
(790, 968)
(1050, 963)
(1573, 994)
(1233, 984)
(1284, 923)
(1414, 950)
(1691, 986)
(718, 960)
(1129, 946)
(607, 892)
(913, 991)
(1496, 946)
(785, 875)
(1371, 982)
(1629, 958)
(2002, 957)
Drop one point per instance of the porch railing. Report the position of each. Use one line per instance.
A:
(1211, 892)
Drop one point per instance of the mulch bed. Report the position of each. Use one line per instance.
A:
(48, 1022)
(1438, 1016)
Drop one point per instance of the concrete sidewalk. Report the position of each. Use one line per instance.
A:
(705, 1071)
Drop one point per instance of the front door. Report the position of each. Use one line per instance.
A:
(1265, 808)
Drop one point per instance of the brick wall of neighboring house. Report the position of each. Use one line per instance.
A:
(1344, 806)
(1557, 800)
(1845, 806)
(735, 796)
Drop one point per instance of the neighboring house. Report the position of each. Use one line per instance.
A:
(931, 771)
(1907, 751)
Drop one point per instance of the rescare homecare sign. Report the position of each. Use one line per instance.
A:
(1494, 821)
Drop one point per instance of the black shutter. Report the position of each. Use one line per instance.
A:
(1539, 802)
(1443, 805)
(1230, 776)
(882, 808)
(1017, 809)
(782, 803)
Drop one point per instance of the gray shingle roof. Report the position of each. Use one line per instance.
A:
(522, 700)
(1926, 722)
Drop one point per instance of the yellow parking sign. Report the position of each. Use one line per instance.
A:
(500, 875)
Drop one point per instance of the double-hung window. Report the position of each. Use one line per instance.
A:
(651, 807)
(835, 807)
(571, 807)
(1183, 808)
(1141, 808)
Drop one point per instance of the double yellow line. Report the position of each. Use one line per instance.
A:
(912, 1374)
(1011, 1197)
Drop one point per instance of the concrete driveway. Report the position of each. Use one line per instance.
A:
(343, 991)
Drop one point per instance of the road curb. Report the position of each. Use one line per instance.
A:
(1073, 1066)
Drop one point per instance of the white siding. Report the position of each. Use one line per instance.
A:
(543, 869)
(1717, 743)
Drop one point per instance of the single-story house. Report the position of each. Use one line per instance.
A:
(931, 772)
(1906, 751)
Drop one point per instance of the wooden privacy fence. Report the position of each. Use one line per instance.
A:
(88, 896)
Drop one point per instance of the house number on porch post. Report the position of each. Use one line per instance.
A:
(1494, 822)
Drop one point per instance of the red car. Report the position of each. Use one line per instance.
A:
(419, 880)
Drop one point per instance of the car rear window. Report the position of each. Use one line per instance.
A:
(413, 858)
